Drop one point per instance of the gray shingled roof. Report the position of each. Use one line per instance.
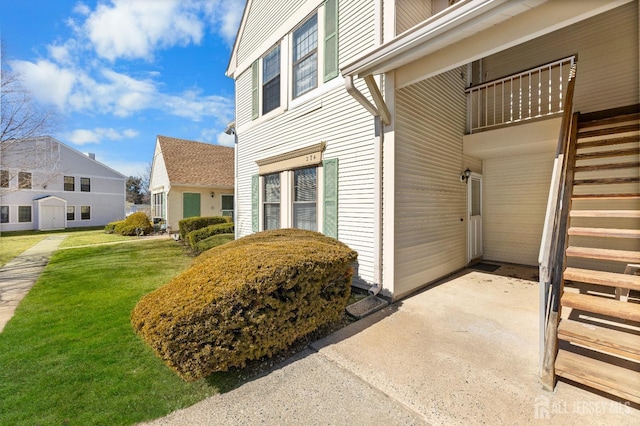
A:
(197, 163)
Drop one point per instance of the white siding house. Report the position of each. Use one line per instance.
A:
(48, 185)
(407, 111)
(190, 178)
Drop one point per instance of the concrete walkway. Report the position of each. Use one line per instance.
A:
(464, 352)
(19, 274)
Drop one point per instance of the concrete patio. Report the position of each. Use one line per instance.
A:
(464, 351)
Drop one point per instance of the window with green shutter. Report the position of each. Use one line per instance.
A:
(330, 220)
(330, 39)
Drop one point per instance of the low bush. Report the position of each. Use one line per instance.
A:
(245, 300)
(134, 222)
(213, 241)
(193, 223)
(194, 237)
(110, 227)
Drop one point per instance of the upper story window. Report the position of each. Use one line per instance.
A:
(69, 183)
(305, 57)
(302, 61)
(4, 178)
(85, 184)
(271, 80)
(24, 180)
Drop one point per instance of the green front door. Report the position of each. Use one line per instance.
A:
(190, 204)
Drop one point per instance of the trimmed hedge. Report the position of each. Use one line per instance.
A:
(194, 237)
(247, 299)
(213, 241)
(193, 223)
(137, 220)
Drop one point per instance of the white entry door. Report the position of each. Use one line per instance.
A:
(474, 217)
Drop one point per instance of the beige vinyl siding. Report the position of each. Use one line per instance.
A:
(607, 48)
(515, 192)
(430, 239)
(263, 19)
(243, 98)
(356, 24)
(410, 13)
(348, 131)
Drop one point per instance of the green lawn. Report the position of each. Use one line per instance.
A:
(70, 356)
(12, 246)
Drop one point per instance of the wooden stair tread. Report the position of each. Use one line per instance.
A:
(601, 305)
(625, 196)
(626, 344)
(610, 120)
(609, 166)
(608, 142)
(606, 213)
(607, 181)
(608, 130)
(604, 232)
(610, 279)
(607, 154)
(600, 375)
(625, 256)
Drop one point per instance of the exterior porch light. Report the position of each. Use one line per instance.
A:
(464, 176)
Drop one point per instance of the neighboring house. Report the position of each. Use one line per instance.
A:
(190, 179)
(46, 185)
(422, 134)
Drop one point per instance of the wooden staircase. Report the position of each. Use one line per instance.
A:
(599, 330)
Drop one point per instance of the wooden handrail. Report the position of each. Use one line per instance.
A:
(552, 256)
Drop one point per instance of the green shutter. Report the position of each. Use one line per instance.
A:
(330, 39)
(254, 90)
(255, 192)
(330, 219)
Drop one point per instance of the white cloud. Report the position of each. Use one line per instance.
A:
(97, 135)
(225, 16)
(81, 9)
(47, 82)
(134, 29)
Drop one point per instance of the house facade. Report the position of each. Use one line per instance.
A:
(190, 178)
(381, 106)
(47, 185)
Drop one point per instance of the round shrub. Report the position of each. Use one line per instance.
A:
(247, 299)
(136, 221)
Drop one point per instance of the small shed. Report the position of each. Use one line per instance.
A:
(50, 212)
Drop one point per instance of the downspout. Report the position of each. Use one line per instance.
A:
(377, 221)
(380, 120)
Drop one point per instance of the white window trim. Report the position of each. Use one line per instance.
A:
(320, 54)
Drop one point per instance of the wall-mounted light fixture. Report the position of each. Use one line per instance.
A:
(464, 176)
(213, 194)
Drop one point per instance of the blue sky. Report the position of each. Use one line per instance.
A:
(121, 72)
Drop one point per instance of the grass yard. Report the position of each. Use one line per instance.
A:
(12, 246)
(70, 356)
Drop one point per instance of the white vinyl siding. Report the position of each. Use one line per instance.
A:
(430, 238)
(264, 18)
(244, 98)
(515, 193)
(607, 49)
(357, 32)
(410, 13)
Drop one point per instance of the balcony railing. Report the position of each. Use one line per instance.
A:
(533, 93)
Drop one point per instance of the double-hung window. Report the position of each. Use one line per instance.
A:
(85, 212)
(305, 190)
(69, 183)
(271, 80)
(71, 212)
(4, 214)
(227, 205)
(85, 184)
(271, 197)
(24, 181)
(4, 178)
(24, 214)
(305, 57)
